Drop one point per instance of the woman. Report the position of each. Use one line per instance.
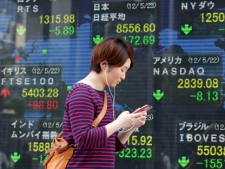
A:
(96, 147)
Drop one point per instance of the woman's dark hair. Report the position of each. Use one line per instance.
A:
(113, 49)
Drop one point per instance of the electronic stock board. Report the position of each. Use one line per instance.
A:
(46, 45)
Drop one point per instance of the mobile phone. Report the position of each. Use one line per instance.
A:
(143, 108)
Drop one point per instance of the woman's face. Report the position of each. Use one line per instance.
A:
(116, 74)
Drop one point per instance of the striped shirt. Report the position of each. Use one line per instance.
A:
(93, 149)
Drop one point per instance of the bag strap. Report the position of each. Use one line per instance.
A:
(102, 113)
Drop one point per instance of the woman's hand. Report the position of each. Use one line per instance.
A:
(127, 120)
(136, 120)
(140, 118)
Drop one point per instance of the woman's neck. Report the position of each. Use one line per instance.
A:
(94, 80)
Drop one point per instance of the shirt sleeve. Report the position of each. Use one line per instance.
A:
(80, 111)
(119, 146)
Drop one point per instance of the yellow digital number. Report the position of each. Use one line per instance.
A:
(46, 19)
(125, 28)
(135, 28)
(72, 18)
(215, 83)
(149, 27)
(27, 93)
(213, 17)
(207, 150)
(142, 140)
(39, 146)
(24, 92)
(198, 83)
(35, 146)
(149, 141)
(131, 28)
(40, 92)
(200, 150)
(221, 151)
(134, 140)
(58, 18)
(53, 92)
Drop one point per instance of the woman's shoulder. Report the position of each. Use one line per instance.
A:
(84, 92)
(79, 88)
(82, 88)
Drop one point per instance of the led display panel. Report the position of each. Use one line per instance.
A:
(46, 46)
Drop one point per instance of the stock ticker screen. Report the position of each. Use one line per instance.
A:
(46, 46)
